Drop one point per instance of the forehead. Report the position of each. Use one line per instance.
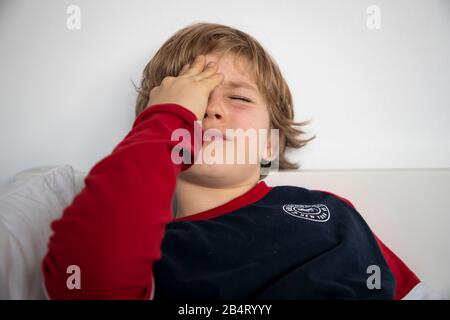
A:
(236, 70)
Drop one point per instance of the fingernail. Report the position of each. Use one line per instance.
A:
(211, 63)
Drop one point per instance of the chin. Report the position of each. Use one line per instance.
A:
(217, 174)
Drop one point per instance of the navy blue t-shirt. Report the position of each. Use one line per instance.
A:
(280, 242)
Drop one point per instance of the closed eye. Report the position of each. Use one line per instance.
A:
(241, 98)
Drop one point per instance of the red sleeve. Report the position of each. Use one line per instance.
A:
(114, 227)
(405, 279)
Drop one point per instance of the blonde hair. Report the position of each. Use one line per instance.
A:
(203, 38)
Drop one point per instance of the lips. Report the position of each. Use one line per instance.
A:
(217, 134)
(224, 137)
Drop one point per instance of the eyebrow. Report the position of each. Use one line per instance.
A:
(240, 84)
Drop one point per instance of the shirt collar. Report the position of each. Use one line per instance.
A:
(249, 197)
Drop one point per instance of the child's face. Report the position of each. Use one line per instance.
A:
(226, 111)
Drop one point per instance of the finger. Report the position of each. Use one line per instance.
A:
(197, 66)
(184, 69)
(153, 91)
(214, 80)
(210, 69)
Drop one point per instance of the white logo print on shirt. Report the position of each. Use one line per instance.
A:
(313, 212)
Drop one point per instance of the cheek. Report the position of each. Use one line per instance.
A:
(246, 119)
(241, 122)
(256, 121)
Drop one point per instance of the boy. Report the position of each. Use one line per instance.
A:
(232, 237)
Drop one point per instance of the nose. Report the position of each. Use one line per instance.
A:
(214, 110)
(213, 115)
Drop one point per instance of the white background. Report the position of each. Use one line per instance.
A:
(378, 98)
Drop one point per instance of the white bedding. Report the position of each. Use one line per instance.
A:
(27, 208)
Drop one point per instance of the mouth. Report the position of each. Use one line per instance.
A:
(221, 137)
(225, 138)
(217, 134)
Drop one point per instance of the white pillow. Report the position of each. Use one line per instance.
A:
(27, 208)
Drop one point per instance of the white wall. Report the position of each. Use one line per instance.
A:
(378, 98)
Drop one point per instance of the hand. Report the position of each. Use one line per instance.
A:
(191, 89)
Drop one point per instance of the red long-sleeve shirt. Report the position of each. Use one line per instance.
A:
(114, 227)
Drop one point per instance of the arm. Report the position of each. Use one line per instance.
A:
(114, 227)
